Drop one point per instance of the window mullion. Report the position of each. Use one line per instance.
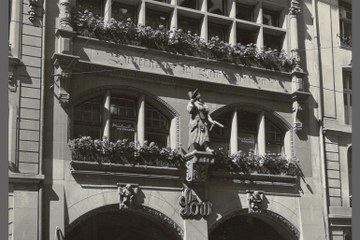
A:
(234, 133)
(140, 132)
(106, 115)
(107, 10)
(261, 141)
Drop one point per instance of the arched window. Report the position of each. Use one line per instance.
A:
(123, 116)
(249, 131)
(87, 118)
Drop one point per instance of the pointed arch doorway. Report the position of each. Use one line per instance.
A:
(110, 223)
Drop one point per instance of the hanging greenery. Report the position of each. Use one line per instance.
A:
(179, 42)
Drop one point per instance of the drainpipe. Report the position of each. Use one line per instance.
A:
(318, 77)
(41, 149)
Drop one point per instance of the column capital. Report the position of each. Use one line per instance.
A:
(294, 9)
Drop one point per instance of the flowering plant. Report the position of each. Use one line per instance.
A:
(123, 152)
(248, 163)
(177, 41)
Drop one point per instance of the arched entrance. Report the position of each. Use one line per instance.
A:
(110, 223)
(260, 226)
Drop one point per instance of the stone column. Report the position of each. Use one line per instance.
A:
(195, 229)
(232, 38)
(140, 132)
(12, 131)
(142, 15)
(173, 133)
(294, 39)
(14, 28)
(234, 133)
(261, 140)
(65, 15)
(107, 13)
(260, 39)
(106, 115)
(173, 22)
(204, 28)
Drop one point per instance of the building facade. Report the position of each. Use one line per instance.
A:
(85, 75)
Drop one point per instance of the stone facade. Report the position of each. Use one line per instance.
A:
(59, 79)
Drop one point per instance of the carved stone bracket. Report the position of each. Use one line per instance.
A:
(33, 4)
(197, 165)
(298, 99)
(63, 64)
(255, 201)
(192, 206)
(127, 195)
(294, 9)
(13, 62)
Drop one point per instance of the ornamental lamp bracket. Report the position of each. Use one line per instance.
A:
(63, 70)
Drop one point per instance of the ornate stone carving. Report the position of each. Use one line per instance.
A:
(294, 8)
(255, 201)
(33, 4)
(62, 77)
(65, 15)
(192, 206)
(197, 164)
(127, 195)
(13, 62)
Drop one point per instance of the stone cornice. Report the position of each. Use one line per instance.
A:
(25, 178)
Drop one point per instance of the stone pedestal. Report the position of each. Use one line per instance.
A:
(197, 165)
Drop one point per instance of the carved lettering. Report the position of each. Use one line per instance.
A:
(191, 206)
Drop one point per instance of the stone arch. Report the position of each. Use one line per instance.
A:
(283, 226)
(155, 216)
(129, 90)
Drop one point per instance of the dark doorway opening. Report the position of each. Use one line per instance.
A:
(245, 227)
(120, 225)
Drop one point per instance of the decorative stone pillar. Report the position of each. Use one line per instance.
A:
(141, 121)
(234, 142)
(294, 10)
(204, 28)
(107, 115)
(65, 15)
(261, 141)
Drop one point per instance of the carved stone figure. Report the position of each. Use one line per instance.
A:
(255, 201)
(127, 196)
(200, 123)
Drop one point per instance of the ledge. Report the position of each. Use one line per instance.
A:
(121, 170)
(266, 179)
(14, 61)
(25, 178)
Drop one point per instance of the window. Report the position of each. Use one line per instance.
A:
(154, 19)
(87, 119)
(272, 41)
(251, 137)
(189, 24)
(217, 30)
(245, 36)
(217, 6)
(194, 4)
(91, 116)
(244, 12)
(121, 12)
(94, 6)
(345, 24)
(271, 18)
(347, 84)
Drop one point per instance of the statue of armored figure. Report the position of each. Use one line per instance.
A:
(200, 123)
